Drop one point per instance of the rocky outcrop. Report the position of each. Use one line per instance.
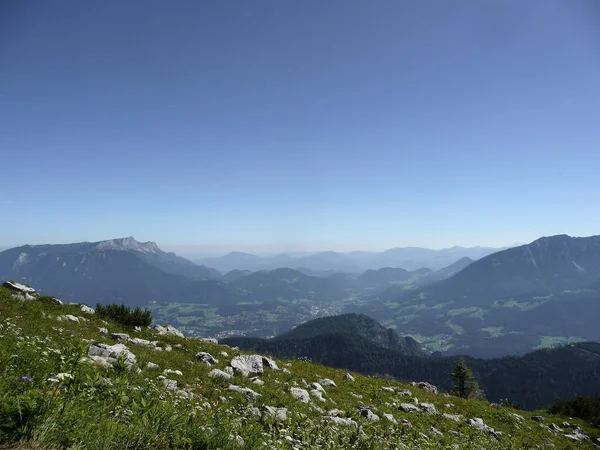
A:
(247, 364)
(106, 355)
(168, 330)
(426, 386)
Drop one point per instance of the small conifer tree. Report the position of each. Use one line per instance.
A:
(465, 384)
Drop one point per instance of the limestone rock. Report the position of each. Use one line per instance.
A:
(409, 407)
(247, 391)
(369, 415)
(247, 364)
(217, 373)
(426, 386)
(276, 414)
(340, 421)
(390, 418)
(327, 382)
(300, 394)
(206, 358)
(112, 353)
(86, 309)
(349, 378)
(120, 336)
(168, 330)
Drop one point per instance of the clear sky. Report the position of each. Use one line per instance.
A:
(299, 125)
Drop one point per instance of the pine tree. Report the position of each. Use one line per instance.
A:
(465, 384)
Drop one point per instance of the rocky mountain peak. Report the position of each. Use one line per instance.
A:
(128, 244)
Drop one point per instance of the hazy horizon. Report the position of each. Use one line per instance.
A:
(299, 126)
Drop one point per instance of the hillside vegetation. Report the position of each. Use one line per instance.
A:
(71, 379)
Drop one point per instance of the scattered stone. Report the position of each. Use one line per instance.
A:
(217, 373)
(286, 370)
(408, 407)
(428, 407)
(340, 421)
(555, 428)
(210, 340)
(369, 415)
(391, 418)
(577, 435)
(406, 423)
(327, 382)
(387, 389)
(538, 418)
(229, 370)
(318, 395)
(86, 309)
(174, 372)
(349, 378)
(56, 301)
(168, 348)
(453, 417)
(72, 318)
(405, 392)
(112, 353)
(358, 396)
(433, 430)
(300, 394)
(257, 381)
(152, 366)
(120, 336)
(247, 364)
(225, 354)
(170, 385)
(139, 341)
(137, 328)
(168, 330)
(423, 436)
(517, 418)
(317, 386)
(207, 358)
(271, 364)
(335, 412)
(276, 414)
(426, 386)
(103, 330)
(247, 391)
(479, 424)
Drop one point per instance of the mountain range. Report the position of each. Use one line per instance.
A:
(409, 258)
(507, 302)
(537, 295)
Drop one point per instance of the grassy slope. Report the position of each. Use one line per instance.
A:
(118, 409)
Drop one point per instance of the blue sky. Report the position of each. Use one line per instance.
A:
(299, 125)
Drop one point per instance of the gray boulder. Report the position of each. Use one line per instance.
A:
(120, 336)
(426, 386)
(249, 393)
(276, 414)
(300, 394)
(168, 330)
(247, 364)
(349, 378)
(340, 421)
(327, 382)
(409, 407)
(217, 373)
(112, 352)
(207, 358)
(369, 415)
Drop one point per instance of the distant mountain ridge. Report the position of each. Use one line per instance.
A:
(410, 258)
(511, 301)
(117, 270)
